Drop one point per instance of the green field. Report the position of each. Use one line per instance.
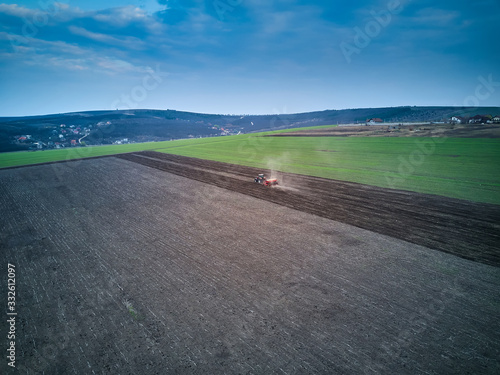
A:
(464, 168)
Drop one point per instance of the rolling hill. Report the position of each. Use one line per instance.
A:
(142, 125)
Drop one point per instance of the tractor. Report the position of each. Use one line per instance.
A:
(261, 179)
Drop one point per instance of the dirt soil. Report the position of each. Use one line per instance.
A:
(177, 269)
(467, 229)
(394, 130)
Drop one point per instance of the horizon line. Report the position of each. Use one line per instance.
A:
(244, 114)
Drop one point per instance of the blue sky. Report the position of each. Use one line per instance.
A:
(247, 56)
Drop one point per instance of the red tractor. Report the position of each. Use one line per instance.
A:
(261, 179)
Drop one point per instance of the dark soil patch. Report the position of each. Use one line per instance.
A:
(126, 269)
(467, 229)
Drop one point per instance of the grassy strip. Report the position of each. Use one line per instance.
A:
(461, 168)
(464, 168)
(11, 159)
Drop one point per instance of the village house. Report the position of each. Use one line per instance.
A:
(457, 120)
(373, 121)
(480, 119)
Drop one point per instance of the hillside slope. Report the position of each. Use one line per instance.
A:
(124, 126)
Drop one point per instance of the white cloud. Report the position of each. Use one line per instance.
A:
(437, 17)
(128, 41)
(62, 55)
(113, 65)
(54, 13)
(95, 63)
(5, 36)
(61, 62)
(64, 48)
(17, 11)
(26, 44)
(44, 14)
(124, 16)
(121, 16)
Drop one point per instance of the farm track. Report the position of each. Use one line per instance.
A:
(467, 229)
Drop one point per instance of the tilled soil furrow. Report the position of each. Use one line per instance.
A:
(466, 229)
(352, 191)
(354, 196)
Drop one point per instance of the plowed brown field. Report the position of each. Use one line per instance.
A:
(468, 229)
(125, 269)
